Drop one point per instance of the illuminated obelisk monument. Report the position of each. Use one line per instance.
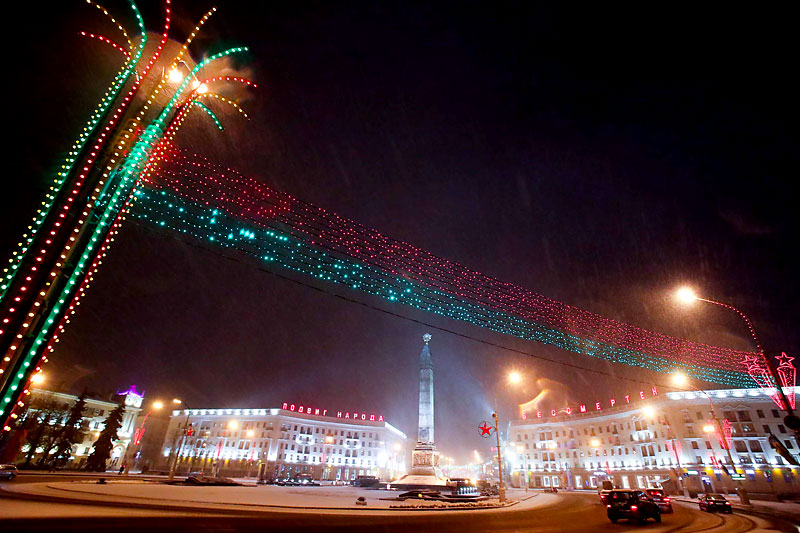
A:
(425, 471)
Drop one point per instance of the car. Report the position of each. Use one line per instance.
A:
(366, 481)
(8, 472)
(631, 504)
(603, 494)
(663, 501)
(714, 502)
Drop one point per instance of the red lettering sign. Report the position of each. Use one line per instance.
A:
(285, 405)
(654, 390)
(641, 394)
(613, 402)
(568, 410)
(552, 412)
(597, 405)
(627, 398)
(380, 418)
(538, 414)
(338, 414)
(524, 416)
(583, 408)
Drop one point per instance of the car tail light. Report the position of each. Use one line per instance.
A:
(727, 503)
(666, 499)
(633, 507)
(608, 506)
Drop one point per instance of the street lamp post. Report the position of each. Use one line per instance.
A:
(521, 451)
(681, 380)
(687, 296)
(183, 440)
(649, 411)
(501, 489)
(137, 438)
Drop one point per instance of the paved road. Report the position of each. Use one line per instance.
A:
(568, 513)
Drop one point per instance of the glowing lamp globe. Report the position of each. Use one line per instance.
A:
(685, 295)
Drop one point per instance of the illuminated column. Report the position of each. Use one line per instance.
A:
(425, 433)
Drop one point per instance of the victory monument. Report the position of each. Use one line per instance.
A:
(425, 471)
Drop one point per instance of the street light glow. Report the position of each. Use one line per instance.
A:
(648, 411)
(685, 295)
(158, 405)
(37, 379)
(233, 424)
(175, 76)
(514, 377)
(679, 379)
(176, 401)
(594, 442)
(708, 428)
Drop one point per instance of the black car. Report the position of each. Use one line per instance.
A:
(8, 472)
(631, 504)
(366, 481)
(714, 502)
(663, 501)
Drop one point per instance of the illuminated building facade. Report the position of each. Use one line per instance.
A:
(670, 439)
(56, 406)
(280, 443)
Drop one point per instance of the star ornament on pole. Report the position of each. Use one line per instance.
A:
(787, 375)
(486, 429)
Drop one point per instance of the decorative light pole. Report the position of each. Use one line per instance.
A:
(521, 451)
(649, 411)
(501, 489)
(759, 367)
(185, 433)
(681, 380)
(137, 438)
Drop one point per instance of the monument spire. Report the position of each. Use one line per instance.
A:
(425, 428)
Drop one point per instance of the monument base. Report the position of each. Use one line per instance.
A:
(425, 472)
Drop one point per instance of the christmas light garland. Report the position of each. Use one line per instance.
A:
(36, 304)
(218, 205)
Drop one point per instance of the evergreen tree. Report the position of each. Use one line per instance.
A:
(71, 433)
(101, 451)
(41, 422)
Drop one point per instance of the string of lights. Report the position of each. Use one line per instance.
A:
(213, 204)
(44, 290)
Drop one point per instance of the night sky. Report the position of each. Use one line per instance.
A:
(598, 155)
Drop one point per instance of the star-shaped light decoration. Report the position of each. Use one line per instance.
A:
(486, 430)
(787, 375)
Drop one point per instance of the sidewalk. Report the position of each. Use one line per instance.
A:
(785, 510)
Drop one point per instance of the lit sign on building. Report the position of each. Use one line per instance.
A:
(347, 415)
(597, 406)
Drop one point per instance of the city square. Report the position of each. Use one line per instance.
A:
(400, 266)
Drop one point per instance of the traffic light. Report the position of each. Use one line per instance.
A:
(778, 446)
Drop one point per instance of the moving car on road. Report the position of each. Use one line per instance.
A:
(714, 502)
(8, 472)
(663, 501)
(631, 504)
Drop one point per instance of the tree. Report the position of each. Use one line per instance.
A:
(41, 421)
(101, 450)
(71, 433)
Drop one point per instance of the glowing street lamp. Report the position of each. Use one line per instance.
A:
(137, 436)
(687, 296)
(37, 379)
(681, 381)
(514, 377)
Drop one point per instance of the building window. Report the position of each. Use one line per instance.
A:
(744, 416)
(781, 428)
(760, 413)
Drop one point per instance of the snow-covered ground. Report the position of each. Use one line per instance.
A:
(312, 499)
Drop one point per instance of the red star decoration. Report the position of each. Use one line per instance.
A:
(486, 429)
(784, 360)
